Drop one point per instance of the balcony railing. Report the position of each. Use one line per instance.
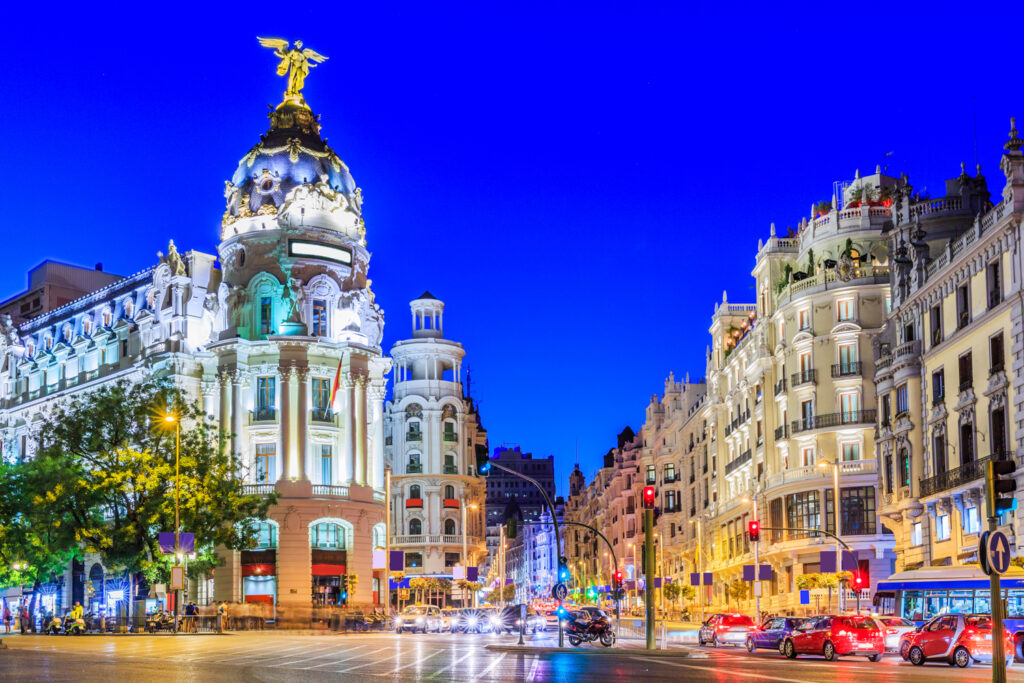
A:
(264, 414)
(413, 502)
(959, 476)
(434, 539)
(966, 384)
(257, 489)
(414, 436)
(851, 417)
(781, 432)
(450, 437)
(780, 386)
(414, 468)
(329, 490)
(847, 369)
(451, 469)
(743, 459)
(321, 415)
(670, 478)
(804, 377)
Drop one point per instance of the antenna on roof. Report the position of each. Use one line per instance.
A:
(974, 98)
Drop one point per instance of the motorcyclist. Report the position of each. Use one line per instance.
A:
(76, 611)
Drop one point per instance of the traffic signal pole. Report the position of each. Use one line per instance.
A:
(757, 567)
(649, 576)
(995, 592)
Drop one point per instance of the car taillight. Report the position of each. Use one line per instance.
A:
(842, 633)
(891, 630)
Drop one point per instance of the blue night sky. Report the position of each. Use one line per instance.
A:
(578, 186)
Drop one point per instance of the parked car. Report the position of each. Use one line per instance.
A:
(959, 639)
(833, 635)
(422, 618)
(895, 628)
(725, 629)
(448, 618)
(772, 632)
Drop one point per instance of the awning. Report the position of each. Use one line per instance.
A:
(328, 569)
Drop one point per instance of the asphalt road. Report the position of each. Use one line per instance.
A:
(271, 656)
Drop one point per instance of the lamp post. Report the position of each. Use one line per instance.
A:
(834, 464)
(632, 550)
(700, 568)
(465, 540)
(757, 563)
(387, 542)
(171, 418)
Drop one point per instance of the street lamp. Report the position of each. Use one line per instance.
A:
(170, 418)
(700, 567)
(835, 515)
(465, 555)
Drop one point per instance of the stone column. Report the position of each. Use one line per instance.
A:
(238, 415)
(284, 422)
(360, 432)
(303, 424)
(377, 392)
(350, 427)
(433, 515)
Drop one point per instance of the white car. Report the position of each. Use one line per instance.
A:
(422, 618)
(893, 628)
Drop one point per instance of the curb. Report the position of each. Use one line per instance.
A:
(526, 649)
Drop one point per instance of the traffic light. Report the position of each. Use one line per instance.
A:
(754, 529)
(511, 527)
(483, 460)
(858, 582)
(1003, 483)
(648, 497)
(563, 569)
(344, 588)
(617, 577)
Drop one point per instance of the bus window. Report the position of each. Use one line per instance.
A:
(936, 602)
(982, 602)
(961, 602)
(913, 608)
(1015, 603)
(885, 603)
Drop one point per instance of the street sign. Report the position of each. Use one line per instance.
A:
(560, 592)
(994, 552)
(177, 578)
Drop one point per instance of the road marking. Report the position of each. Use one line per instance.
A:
(353, 668)
(418, 661)
(452, 665)
(335, 661)
(533, 669)
(486, 671)
(740, 674)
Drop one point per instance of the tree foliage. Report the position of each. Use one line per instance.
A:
(103, 481)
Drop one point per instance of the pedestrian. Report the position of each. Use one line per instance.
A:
(23, 621)
(7, 617)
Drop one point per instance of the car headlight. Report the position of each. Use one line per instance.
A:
(495, 621)
(398, 622)
(419, 620)
(518, 622)
(473, 621)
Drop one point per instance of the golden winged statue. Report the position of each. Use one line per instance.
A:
(295, 62)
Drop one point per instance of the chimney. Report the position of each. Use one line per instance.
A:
(99, 267)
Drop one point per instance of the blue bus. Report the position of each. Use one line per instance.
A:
(919, 594)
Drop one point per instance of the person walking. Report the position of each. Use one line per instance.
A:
(7, 617)
(24, 619)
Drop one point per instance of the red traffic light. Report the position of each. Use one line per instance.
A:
(754, 529)
(648, 497)
(617, 577)
(857, 581)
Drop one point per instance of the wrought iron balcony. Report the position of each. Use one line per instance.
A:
(848, 369)
(414, 468)
(450, 437)
(851, 417)
(780, 386)
(743, 459)
(322, 415)
(959, 476)
(804, 377)
(451, 469)
(670, 478)
(781, 432)
(414, 435)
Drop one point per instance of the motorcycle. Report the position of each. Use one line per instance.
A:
(159, 621)
(74, 626)
(52, 626)
(583, 628)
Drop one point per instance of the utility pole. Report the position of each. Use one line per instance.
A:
(648, 500)
(995, 592)
(757, 568)
(387, 542)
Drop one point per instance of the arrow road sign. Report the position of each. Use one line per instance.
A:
(560, 591)
(995, 552)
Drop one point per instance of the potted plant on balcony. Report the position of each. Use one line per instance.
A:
(822, 209)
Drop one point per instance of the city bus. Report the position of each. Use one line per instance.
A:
(919, 594)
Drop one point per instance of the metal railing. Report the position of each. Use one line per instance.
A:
(804, 377)
(958, 476)
(782, 432)
(451, 469)
(780, 386)
(743, 459)
(414, 468)
(257, 489)
(414, 436)
(330, 490)
(847, 369)
(321, 415)
(264, 414)
(834, 420)
(450, 437)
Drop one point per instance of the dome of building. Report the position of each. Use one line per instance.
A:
(290, 155)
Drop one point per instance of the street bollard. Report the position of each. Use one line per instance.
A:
(220, 623)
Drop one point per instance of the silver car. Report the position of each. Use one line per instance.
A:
(422, 618)
(893, 628)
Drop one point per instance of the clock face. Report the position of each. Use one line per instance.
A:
(303, 248)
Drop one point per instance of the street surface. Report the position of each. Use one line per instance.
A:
(269, 656)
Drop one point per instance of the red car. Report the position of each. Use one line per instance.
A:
(725, 629)
(959, 639)
(834, 635)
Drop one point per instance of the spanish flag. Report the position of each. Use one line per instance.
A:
(337, 382)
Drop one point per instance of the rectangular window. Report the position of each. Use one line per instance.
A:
(888, 305)
(995, 353)
(902, 400)
(992, 279)
(963, 306)
(966, 372)
(319, 318)
(938, 387)
(265, 401)
(805, 318)
(652, 476)
(939, 453)
(451, 559)
(266, 308)
(844, 310)
(326, 462)
(888, 473)
(849, 407)
(807, 414)
(942, 528)
(936, 320)
(851, 451)
(803, 512)
(915, 534)
(858, 510)
(807, 455)
(886, 409)
(321, 397)
(972, 520)
(266, 466)
(847, 359)
(904, 467)
(908, 332)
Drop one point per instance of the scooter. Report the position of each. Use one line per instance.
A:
(597, 628)
(53, 626)
(74, 627)
(159, 621)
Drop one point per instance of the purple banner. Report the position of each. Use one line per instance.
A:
(472, 573)
(509, 582)
(657, 582)
(629, 584)
(764, 572)
(396, 562)
(395, 585)
(186, 540)
(827, 559)
(748, 572)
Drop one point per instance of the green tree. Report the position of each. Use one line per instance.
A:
(105, 470)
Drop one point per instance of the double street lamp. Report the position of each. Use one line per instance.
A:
(834, 464)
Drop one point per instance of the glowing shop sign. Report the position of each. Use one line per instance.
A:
(317, 250)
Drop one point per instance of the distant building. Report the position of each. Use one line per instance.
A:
(53, 284)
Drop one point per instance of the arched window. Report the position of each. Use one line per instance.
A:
(107, 318)
(449, 527)
(86, 326)
(129, 308)
(328, 535)
(415, 527)
(67, 333)
(266, 535)
(414, 491)
(378, 536)
(449, 491)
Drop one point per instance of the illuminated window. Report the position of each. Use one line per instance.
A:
(804, 317)
(915, 534)
(265, 390)
(266, 457)
(319, 318)
(321, 395)
(851, 451)
(266, 308)
(266, 535)
(326, 461)
(129, 308)
(107, 318)
(844, 309)
(327, 535)
(87, 326)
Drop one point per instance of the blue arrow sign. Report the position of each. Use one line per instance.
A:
(998, 550)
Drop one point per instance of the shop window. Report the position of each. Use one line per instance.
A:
(413, 560)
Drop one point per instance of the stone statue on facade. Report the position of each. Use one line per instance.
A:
(294, 65)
